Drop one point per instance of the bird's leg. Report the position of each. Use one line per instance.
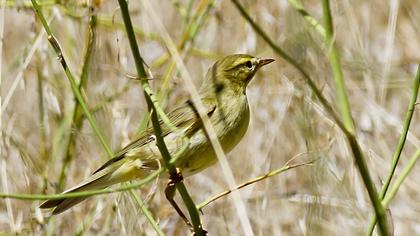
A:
(170, 194)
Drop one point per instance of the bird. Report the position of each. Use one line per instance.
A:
(223, 95)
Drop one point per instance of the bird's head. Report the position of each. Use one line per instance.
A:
(233, 72)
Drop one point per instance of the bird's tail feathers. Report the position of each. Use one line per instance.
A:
(119, 171)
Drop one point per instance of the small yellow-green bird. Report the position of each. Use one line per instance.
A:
(223, 93)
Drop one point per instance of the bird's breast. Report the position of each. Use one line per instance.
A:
(230, 122)
(235, 120)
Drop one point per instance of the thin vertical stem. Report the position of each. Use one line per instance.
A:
(74, 86)
(400, 146)
(208, 127)
(398, 182)
(146, 213)
(152, 104)
(71, 79)
(77, 119)
(336, 68)
(403, 136)
(355, 147)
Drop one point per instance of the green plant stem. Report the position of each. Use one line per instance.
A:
(107, 22)
(76, 90)
(355, 147)
(334, 56)
(14, 3)
(77, 119)
(373, 195)
(293, 62)
(147, 213)
(312, 21)
(70, 77)
(190, 33)
(406, 124)
(185, 44)
(41, 108)
(400, 146)
(394, 189)
(195, 218)
(403, 136)
(44, 150)
(249, 182)
(32, 197)
(142, 182)
(147, 179)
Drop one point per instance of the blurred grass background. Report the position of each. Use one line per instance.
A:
(379, 44)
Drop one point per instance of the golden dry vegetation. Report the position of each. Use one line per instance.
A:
(379, 45)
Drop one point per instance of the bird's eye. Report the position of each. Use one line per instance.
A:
(248, 64)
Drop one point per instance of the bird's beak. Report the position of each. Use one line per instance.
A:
(263, 62)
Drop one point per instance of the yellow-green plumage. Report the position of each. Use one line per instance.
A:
(223, 94)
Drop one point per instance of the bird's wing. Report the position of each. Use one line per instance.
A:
(185, 118)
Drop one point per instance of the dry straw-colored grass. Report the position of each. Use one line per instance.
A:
(379, 44)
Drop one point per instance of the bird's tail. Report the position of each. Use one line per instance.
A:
(113, 172)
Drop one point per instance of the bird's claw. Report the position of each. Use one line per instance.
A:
(176, 177)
